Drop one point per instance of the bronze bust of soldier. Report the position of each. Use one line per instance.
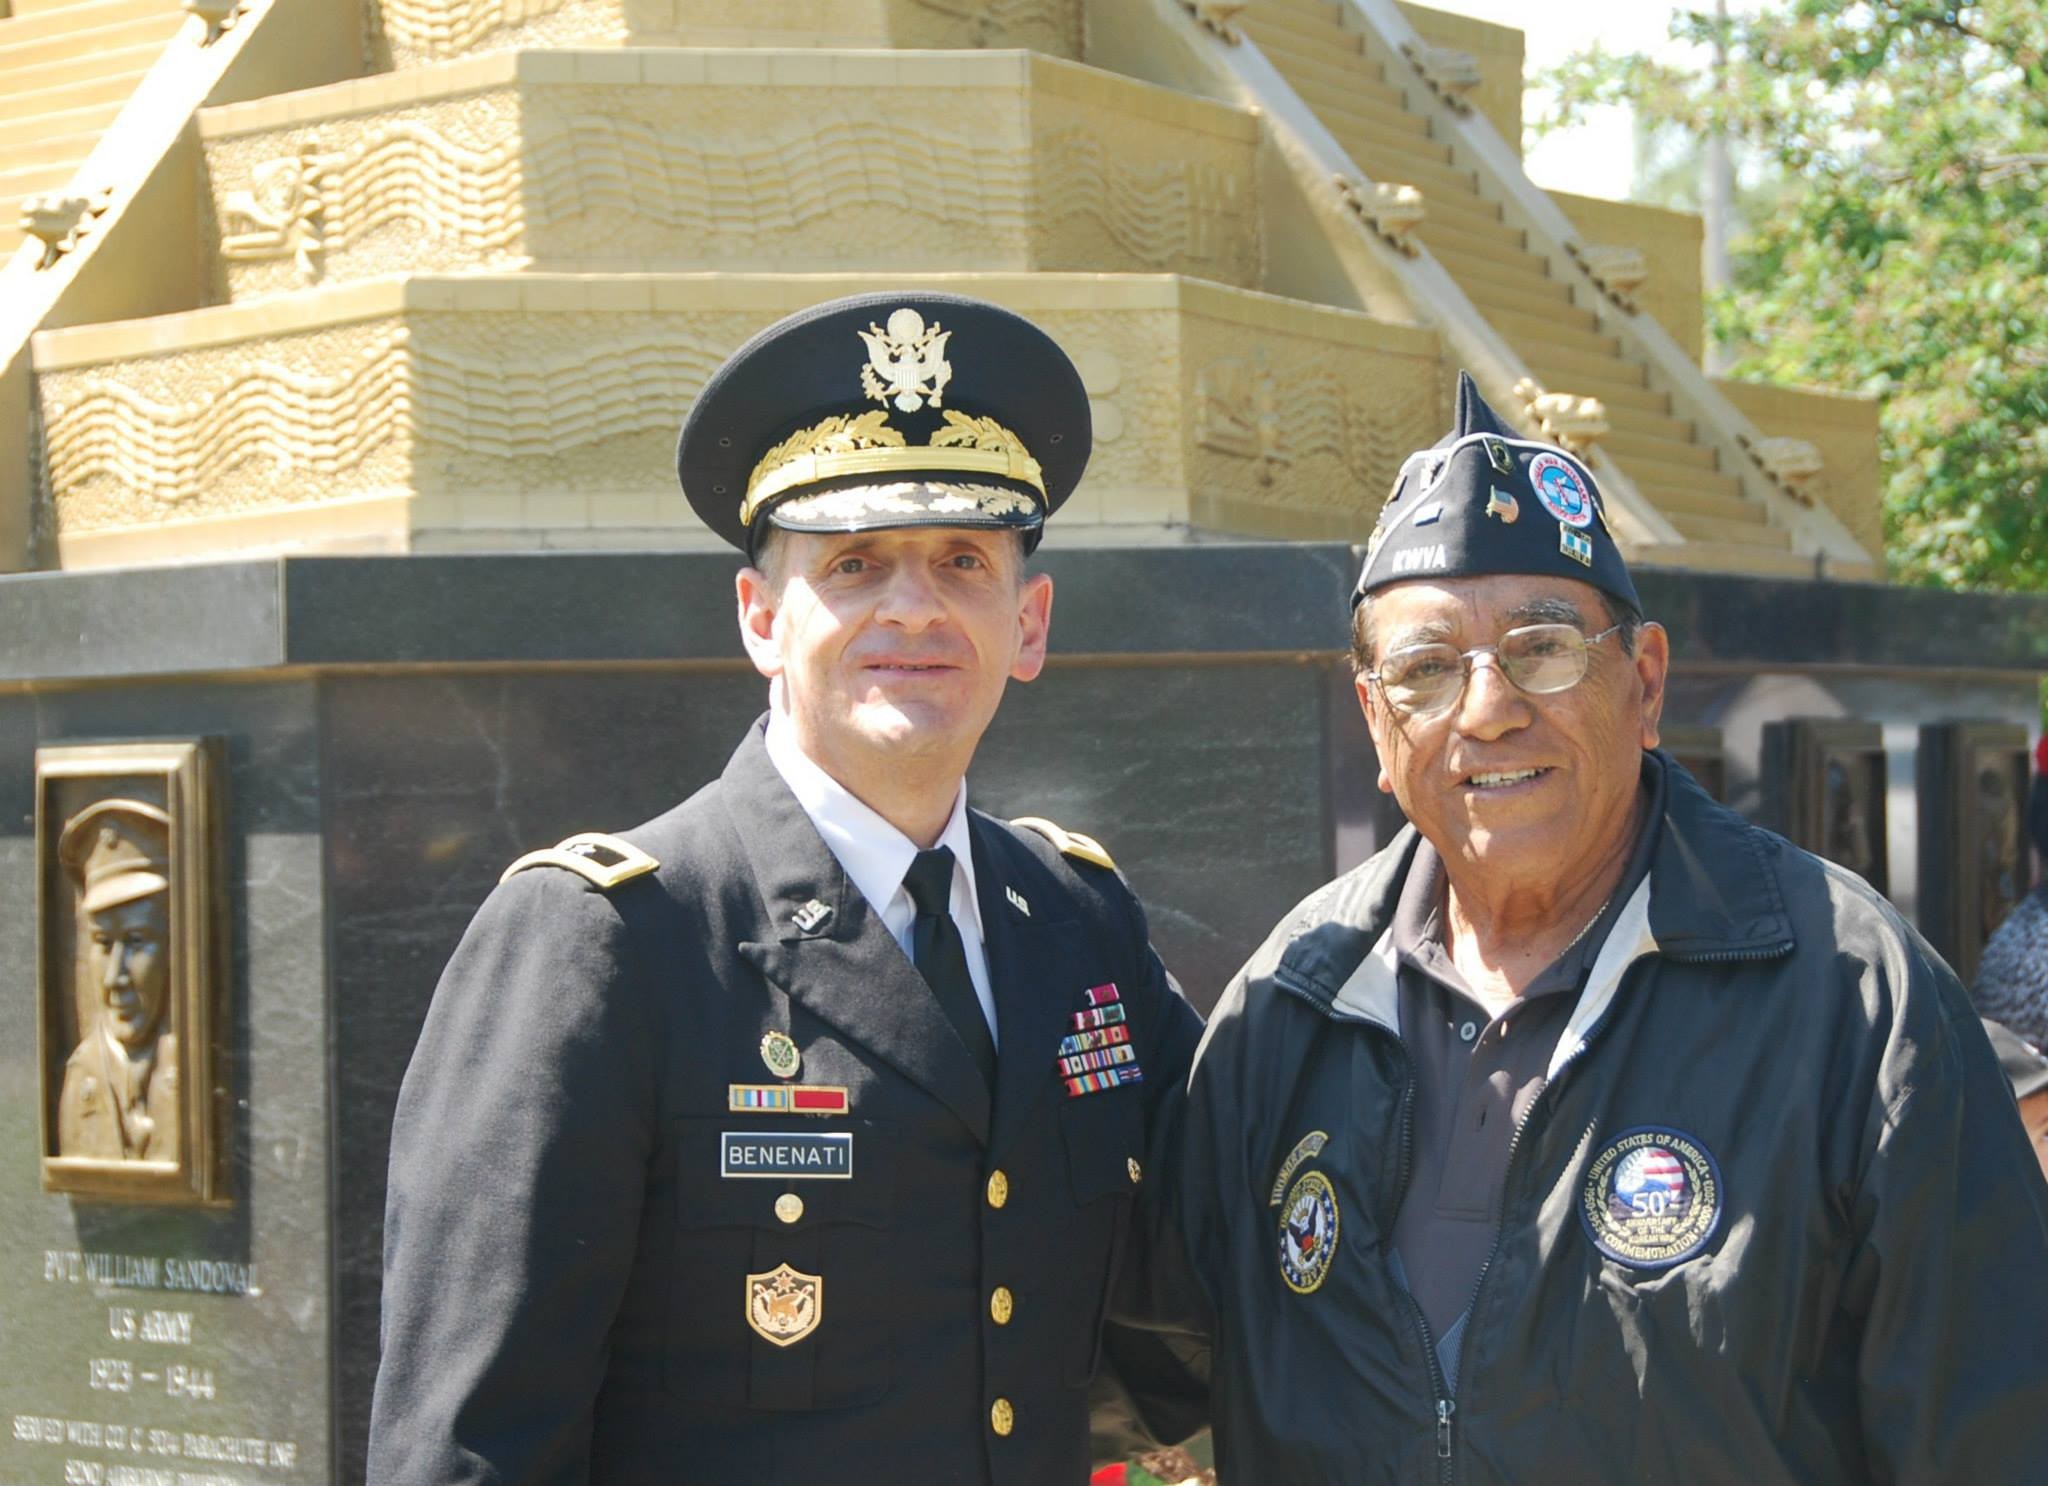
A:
(120, 1096)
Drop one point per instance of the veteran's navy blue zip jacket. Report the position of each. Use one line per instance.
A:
(1772, 1220)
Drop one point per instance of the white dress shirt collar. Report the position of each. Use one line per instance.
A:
(874, 853)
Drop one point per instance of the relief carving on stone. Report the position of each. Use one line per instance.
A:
(1565, 418)
(130, 443)
(434, 30)
(1218, 17)
(128, 974)
(279, 214)
(1300, 418)
(1390, 210)
(604, 173)
(60, 221)
(1048, 25)
(1450, 73)
(1617, 272)
(1795, 466)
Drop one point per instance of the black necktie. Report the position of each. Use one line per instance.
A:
(941, 958)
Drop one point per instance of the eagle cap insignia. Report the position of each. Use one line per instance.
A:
(907, 363)
(785, 1305)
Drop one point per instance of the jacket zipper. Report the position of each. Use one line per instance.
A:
(1446, 1406)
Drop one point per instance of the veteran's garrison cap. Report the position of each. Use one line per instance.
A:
(1485, 500)
(886, 410)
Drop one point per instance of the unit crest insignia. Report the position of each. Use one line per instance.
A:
(785, 1305)
(779, 1052)
(906, 362)
(1652, 1198)
(1308, 1233)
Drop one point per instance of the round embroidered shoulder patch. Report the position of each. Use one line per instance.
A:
(1308, 1232)
(1562, 489)
(1652, 1198)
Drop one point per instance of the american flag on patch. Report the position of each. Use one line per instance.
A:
(1656, 1176)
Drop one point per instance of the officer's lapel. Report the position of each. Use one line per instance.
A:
(1037, 968)
(823, 944)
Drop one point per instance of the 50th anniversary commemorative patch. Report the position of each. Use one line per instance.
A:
(1652, 1198)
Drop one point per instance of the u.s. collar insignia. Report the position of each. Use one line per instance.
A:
(785, 1305)
(1017, 901)
(778, 1051)
(907, 362)
(811, 917)
(1307, 1148)
(1652, 1198)
(1308, 1233)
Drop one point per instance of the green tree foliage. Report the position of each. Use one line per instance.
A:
(1907, 254)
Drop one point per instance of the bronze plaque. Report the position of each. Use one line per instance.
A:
(1974, 858)
(128, 976)
(1702, 754)
(1824, 788)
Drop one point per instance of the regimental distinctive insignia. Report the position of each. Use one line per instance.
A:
(1098, 1054)
(907, 362)
(1575, 544)
(1652, 1198)
(816, 1099)
(812, 917)
(785, 1305)
(1306, 1149)
(1308, 1233)
(778, 1051)
(1562, 489)
(1503, 506)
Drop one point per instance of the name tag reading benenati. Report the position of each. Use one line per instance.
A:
(774, 1153)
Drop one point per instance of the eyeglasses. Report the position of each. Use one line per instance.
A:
(1423, 680)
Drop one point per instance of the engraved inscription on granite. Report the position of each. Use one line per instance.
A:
(128, 979)
(158, 1381)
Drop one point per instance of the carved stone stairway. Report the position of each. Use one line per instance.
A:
(66, 67)
(462, 303)
(1331, 66)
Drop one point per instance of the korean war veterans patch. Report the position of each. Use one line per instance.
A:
(1652, 1198)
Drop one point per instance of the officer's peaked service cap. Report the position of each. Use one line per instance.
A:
(1485, 500)
(887, 410)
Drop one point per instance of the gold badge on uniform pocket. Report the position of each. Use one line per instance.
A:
(785, 1305)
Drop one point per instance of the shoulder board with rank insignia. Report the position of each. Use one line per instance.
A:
(603, 861)
(1070, 843)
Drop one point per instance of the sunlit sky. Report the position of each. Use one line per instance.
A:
(1598, 158)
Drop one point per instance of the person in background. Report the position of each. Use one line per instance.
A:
(2027, 1071)
(2012, 974)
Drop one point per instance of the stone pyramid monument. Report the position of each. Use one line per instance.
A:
(458, 295)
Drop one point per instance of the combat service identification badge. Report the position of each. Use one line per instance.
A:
(1308, 1233)
(1652, 1198)
(785, 1305)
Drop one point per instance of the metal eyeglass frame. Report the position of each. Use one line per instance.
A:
(1466, 657)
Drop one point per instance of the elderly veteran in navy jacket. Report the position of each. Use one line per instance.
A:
(1588, 1133)
(796, 1133)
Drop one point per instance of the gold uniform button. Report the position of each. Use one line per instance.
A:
(789, 1207)
(1001, 1417)
(1137, 1171)
(998, 1189)
(1002, 1305)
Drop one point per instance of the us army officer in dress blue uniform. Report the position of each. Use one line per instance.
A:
(796, 1133)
